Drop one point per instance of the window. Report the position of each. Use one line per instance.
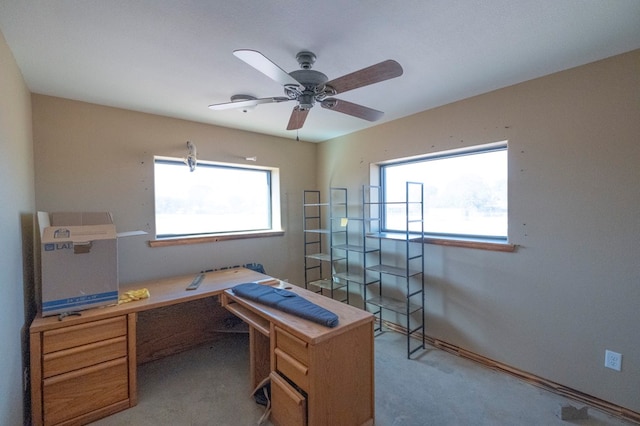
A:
(465, 192)
(216, 198)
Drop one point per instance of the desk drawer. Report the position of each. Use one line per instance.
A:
(288, 406)
(79, 392)
(297, 348)
(82, 334)
(293, 369)
(59, 362)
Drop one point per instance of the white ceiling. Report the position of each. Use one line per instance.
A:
(174, 57)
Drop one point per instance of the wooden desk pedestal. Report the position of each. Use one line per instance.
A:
(319, 375)
(83, 372)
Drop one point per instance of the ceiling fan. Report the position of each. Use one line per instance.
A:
(307, 86)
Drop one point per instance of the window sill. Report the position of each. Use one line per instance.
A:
(479, 244)
(182, 241)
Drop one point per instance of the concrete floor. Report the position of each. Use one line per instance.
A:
(209, 386)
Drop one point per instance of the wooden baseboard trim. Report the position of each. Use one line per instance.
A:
(610, 408)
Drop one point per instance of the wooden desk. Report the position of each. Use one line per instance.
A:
(319, 375)
(84, 367)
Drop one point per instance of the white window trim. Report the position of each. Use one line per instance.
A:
(276, 211)
(450, 241)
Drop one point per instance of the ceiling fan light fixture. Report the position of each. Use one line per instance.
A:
(306, 100)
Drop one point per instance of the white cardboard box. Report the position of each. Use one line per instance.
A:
(79, 254)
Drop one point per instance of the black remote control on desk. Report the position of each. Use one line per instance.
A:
(196, 282)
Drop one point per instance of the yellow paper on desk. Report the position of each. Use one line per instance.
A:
(131, 295)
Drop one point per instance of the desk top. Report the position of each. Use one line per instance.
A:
(348, 316)
(163, 292)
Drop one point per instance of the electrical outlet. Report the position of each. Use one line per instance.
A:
(612, 360)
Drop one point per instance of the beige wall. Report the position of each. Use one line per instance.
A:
(572, 289)
(96, 158)
(16, 225)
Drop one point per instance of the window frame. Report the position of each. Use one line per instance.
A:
(274, 213)
(498, 243)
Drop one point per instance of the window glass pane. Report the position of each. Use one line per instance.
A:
(211, 199)
(465, 194)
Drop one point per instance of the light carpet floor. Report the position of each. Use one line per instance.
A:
(209, 386)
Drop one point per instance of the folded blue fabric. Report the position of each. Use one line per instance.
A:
(286, 301)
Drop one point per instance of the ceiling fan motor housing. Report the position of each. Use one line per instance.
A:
(313, 83)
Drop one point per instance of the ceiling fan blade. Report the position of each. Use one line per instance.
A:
(265, 66)
(247, 103)
(350, 108)
(298, 116)
(374, 74)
